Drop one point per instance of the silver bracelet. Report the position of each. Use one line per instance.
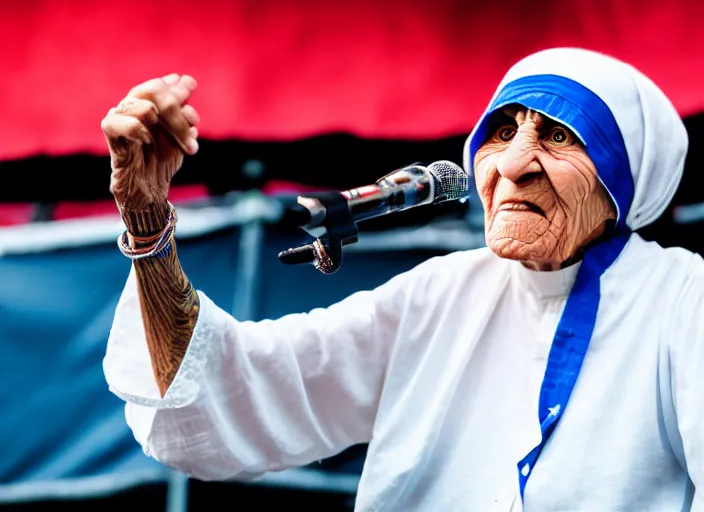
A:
(159, 243)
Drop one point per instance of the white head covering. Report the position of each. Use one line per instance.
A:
(654, 135)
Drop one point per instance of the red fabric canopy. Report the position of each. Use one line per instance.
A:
(288, 69)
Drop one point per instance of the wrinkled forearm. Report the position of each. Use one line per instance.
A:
(168, 301)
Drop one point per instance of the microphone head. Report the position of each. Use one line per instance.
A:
(452, 181)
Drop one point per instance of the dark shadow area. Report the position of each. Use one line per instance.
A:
(336, 161)
(202, 496)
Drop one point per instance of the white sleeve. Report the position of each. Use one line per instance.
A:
(686, 334)
(252, 397)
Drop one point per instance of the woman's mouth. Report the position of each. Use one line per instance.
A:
(520, 206)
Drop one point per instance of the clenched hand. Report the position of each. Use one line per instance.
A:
(148, 134)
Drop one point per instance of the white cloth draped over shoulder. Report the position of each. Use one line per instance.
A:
(440, 369)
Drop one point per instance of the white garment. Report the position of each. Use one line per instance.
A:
(439, 370)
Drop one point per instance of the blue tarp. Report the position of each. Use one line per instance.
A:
(62, 432)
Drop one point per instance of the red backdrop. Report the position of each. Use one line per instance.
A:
(286, 69)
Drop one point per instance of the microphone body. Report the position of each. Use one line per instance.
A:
(405, 188)
(334, 215)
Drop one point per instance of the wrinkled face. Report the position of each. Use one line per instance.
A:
(542, 199)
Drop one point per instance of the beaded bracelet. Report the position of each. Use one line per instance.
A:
(148, 247)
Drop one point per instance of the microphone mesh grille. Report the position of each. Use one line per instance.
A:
(452, 180)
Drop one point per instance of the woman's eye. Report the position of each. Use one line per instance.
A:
(559, 136)
(505, 133)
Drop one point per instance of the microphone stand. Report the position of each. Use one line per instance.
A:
(325, 252)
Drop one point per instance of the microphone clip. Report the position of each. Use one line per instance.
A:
(325, 252)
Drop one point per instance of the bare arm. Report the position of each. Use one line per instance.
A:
(168, 301)
(148, 134)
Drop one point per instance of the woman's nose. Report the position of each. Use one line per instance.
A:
(519, 160)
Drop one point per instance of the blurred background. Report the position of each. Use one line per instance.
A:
(295, 96)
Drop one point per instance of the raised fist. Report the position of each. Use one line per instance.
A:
(148, 134)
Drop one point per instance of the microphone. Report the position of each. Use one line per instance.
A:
(323, 215)
(408, 187)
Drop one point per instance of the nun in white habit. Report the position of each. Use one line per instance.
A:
(561, 368)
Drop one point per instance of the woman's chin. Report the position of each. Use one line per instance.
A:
(532, 251)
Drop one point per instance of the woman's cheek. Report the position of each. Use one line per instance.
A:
(483, 177)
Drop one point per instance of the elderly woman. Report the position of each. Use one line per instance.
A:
(560, 368)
